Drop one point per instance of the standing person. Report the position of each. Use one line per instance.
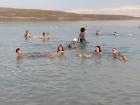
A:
(82, 35)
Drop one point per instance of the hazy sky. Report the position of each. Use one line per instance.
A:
(67, 4)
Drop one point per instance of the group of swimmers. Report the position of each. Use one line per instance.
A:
(76, 43)
(99, 33)
(60, 52)
(28, 35)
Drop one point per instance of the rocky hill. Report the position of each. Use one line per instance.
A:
(12, 14)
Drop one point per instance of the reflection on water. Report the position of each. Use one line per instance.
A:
(100, 80)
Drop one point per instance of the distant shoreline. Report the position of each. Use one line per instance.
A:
(12, 14)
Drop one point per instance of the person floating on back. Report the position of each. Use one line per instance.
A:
(118, 55)
(98, 50)
(98, 32)
(116, 34)
(21, 55)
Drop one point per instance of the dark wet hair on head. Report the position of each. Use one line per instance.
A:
(100, 50)
(82, 29)
(61, 47)
(43, 33)
(17, 50)
(27, 31)
(114, 48)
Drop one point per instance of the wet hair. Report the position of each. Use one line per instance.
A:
(17, 50)
(99, 49)
(43, 33)
(114, 48)
(27, 31)
(26, 34)
(82, 29)
(61, 47)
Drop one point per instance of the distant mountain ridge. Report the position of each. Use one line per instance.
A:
(51, 15)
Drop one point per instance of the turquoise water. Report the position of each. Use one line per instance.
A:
(70, 81)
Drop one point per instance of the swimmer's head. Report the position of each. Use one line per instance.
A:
(114, 51)
(60, 48)
(98, 49)
(82, 29)
(19, 51)
(43, 33)
(27, 31)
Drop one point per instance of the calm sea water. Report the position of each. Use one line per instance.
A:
(70, 81)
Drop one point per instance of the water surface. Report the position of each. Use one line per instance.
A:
(71, 81)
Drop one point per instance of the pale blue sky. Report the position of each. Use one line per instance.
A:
(67, 4)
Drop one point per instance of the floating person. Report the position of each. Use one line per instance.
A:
(21, 55)
(46, 36)
(27, 35)
(43, 35)
(84, 55)
(98, 50)
(116, 34)
(82, 35)
(118, 55)
(60, 50)
(98, 32)
(74, 44)
(59, 53)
